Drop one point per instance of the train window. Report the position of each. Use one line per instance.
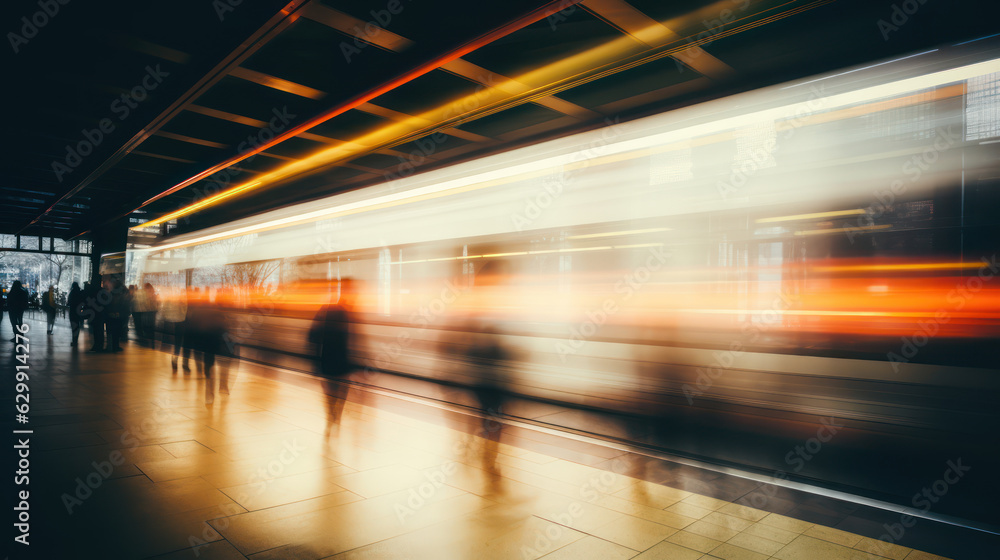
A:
(982, 109)
(905, 119)
(755, 146)
(671, 166)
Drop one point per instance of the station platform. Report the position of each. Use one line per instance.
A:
(131, 458)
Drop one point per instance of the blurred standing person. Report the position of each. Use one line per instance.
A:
(488, 360)
(96, 312)
(144, 305)
(331, 332)
(191, 325)
(174, 312)
(206, 330)
(74, 302)
(49, 306)
(17, 302)
(130, 312)
(117, 314)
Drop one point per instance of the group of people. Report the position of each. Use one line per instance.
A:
(106, 304)
(15, 304)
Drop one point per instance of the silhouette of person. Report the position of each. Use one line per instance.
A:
(74, 302)
(49, 306)
(151, 304)
(488, 361)
(207, 330)
(17, 302)
(98, 302)
(174, 313)
(117, 314)
(331, 332)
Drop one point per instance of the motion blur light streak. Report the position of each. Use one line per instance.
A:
(551, 78)
(617, 233)
(481, 181)
(812, 216)
(811, 292)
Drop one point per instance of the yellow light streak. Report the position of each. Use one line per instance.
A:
(613, 151)
(841, 230)
(892, 267)
(495, 255)
(812, 216)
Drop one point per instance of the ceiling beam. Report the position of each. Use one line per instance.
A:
(285, 17)
(625, 17)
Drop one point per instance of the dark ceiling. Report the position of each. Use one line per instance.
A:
(184, 87)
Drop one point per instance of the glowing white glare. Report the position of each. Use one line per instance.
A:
(616, 233)
(611, 148)
(518, 253)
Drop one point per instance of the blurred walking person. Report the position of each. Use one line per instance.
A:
(144, 305)
(174, 313)
(49, 307)
(133, 312)
(331, 332)
(206, 332)
(75, 302)
(17, 302)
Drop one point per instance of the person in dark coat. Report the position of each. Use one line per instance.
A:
(117, 314)
(75, 304)
(206, 333)
(331, 332)
(95, 311)
(17, 302)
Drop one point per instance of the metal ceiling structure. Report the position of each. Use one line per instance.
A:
(142, 110)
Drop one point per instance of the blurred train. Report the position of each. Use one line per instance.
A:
(825, 247)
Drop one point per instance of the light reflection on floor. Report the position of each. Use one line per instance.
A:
(153, 464)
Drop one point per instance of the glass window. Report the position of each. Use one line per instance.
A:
(982, 107)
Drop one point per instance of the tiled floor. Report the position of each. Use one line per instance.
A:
(131, 459)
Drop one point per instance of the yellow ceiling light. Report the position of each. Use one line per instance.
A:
(564, 72)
